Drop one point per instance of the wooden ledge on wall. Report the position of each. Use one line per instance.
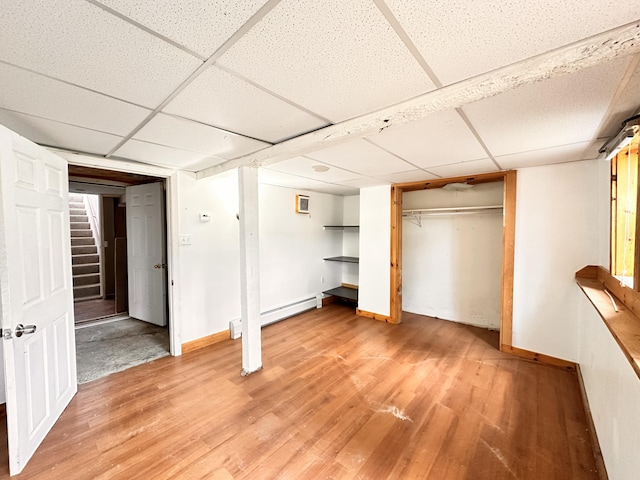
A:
(618, 306)
(206, 341)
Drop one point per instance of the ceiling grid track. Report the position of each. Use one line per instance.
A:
(572, 58)
(259, 15)
(607, 118)
(395, 24)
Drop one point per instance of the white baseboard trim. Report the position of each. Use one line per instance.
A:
(275, 315)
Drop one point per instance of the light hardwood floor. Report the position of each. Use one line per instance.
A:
(340, 396)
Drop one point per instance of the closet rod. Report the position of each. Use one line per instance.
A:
(417, 214)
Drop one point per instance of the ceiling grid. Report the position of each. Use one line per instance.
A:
(378, 91)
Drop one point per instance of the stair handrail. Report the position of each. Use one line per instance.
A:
(95, 230)
(93, 221)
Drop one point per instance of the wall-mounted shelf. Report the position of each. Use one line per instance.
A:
(416, 215)
(341, 227)
(343, 259)
(344, 292)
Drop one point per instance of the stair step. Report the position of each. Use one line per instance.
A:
(78, 241)
(86, 279)
(84, 249)
(86, 268)
(77, 211)
(75, 197)
(81, 233)
(84, 259)
(76, 206)
(86, 291)
(80, 226)
(80, 218)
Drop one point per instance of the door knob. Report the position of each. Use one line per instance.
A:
(160, 265)
(21, 329)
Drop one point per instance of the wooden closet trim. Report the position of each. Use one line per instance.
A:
(508, 243)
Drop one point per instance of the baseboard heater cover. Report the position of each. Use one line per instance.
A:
(275, 315)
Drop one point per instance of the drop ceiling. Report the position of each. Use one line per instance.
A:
(191, 85)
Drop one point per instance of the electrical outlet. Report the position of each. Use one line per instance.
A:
(185, 239)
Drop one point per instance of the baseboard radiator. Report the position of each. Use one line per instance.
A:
(276, 314)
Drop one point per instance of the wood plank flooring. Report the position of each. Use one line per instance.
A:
(339, 397)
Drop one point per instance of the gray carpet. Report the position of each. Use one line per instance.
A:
(112, 347)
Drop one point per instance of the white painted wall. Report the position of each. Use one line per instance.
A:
(291, 250)
(452, 265)
(351, 239)
(613, 390)
(559, 217)
(292, 246)
(210, 266)
(375, 249)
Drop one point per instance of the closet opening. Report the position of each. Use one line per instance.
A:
(456, 237)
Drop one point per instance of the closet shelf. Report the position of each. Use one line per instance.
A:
(343, 259)
(341, 227)
(344, 292)
(416, 215)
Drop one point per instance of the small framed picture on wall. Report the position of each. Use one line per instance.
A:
(302, 204)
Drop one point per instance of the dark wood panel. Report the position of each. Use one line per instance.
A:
(339, 397)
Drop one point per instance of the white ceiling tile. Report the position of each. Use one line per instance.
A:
(188, 135)
(365, 182)
(559, 111)
(404, 177)
(82, 44)
(225, 101)
(362, 157)
(485, 35)
(200, 25)
(48, 132)
(303, 167)
(545, 156)
(338, 59)
(30, 93)
(338, 190)
(271, 177)
(166, 156)
(438, 139)
(465, 168)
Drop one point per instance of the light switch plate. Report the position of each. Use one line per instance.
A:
(185, 239)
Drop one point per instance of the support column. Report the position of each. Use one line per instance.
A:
(249, 270)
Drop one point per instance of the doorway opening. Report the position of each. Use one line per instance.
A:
(452, 251)
(119, 270)
(507, 253)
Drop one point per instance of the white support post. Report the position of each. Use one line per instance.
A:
(249, 270)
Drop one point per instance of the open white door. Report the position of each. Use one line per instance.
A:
(146, 253)
(35, 292)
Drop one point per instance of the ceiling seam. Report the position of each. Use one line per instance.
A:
(395, 24)
(400, 31)
(273, 94)
(174, 115)
(606, 118)
(71, 84)
(259, 15)
(147, 29)
(475, 133)
(371, 142)
(61, 123)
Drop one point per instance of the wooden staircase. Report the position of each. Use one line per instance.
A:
(85, 259)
